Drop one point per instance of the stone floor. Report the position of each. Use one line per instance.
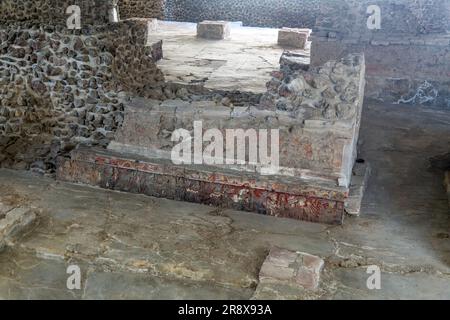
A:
(132, 246)
(243, 62)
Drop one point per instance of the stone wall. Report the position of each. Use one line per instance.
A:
(52, 11)
(400, 70)
(141, 9)
(348, 18)
(262, 13)
(59, 88)
(408, 60)
(404, 16)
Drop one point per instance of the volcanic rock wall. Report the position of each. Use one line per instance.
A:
(348, 18)
(141, 9)
(410, 16)
(408, 59)
(261, 13)
(59, 88)
(399, 70)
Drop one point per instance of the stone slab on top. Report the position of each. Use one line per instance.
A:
(293, 37)
(214, 30)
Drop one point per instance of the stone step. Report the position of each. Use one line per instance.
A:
(283, 157)
(360, 177)
(280, 196)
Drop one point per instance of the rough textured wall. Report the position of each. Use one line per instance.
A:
(348, 18)
(59, 88)
(343, 16)
(141, 9)
(410, 16)
(267, 13)
(53, 11)
(408, 59)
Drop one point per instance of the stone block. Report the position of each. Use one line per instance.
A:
(295, 61)
(358, 185)
(215, 30)
(295, 38)
(296, 268)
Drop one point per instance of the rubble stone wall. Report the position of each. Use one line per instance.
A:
(348, 18)
(408, 60)
(53, 11)
(415, 71)
(340, 16)
(141, 9)
(59, 88)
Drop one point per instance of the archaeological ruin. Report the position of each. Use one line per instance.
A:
(193, 149)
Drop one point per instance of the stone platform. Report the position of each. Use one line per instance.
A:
(214, 30)
(293, 38)
(275, 196)
(316, 147)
